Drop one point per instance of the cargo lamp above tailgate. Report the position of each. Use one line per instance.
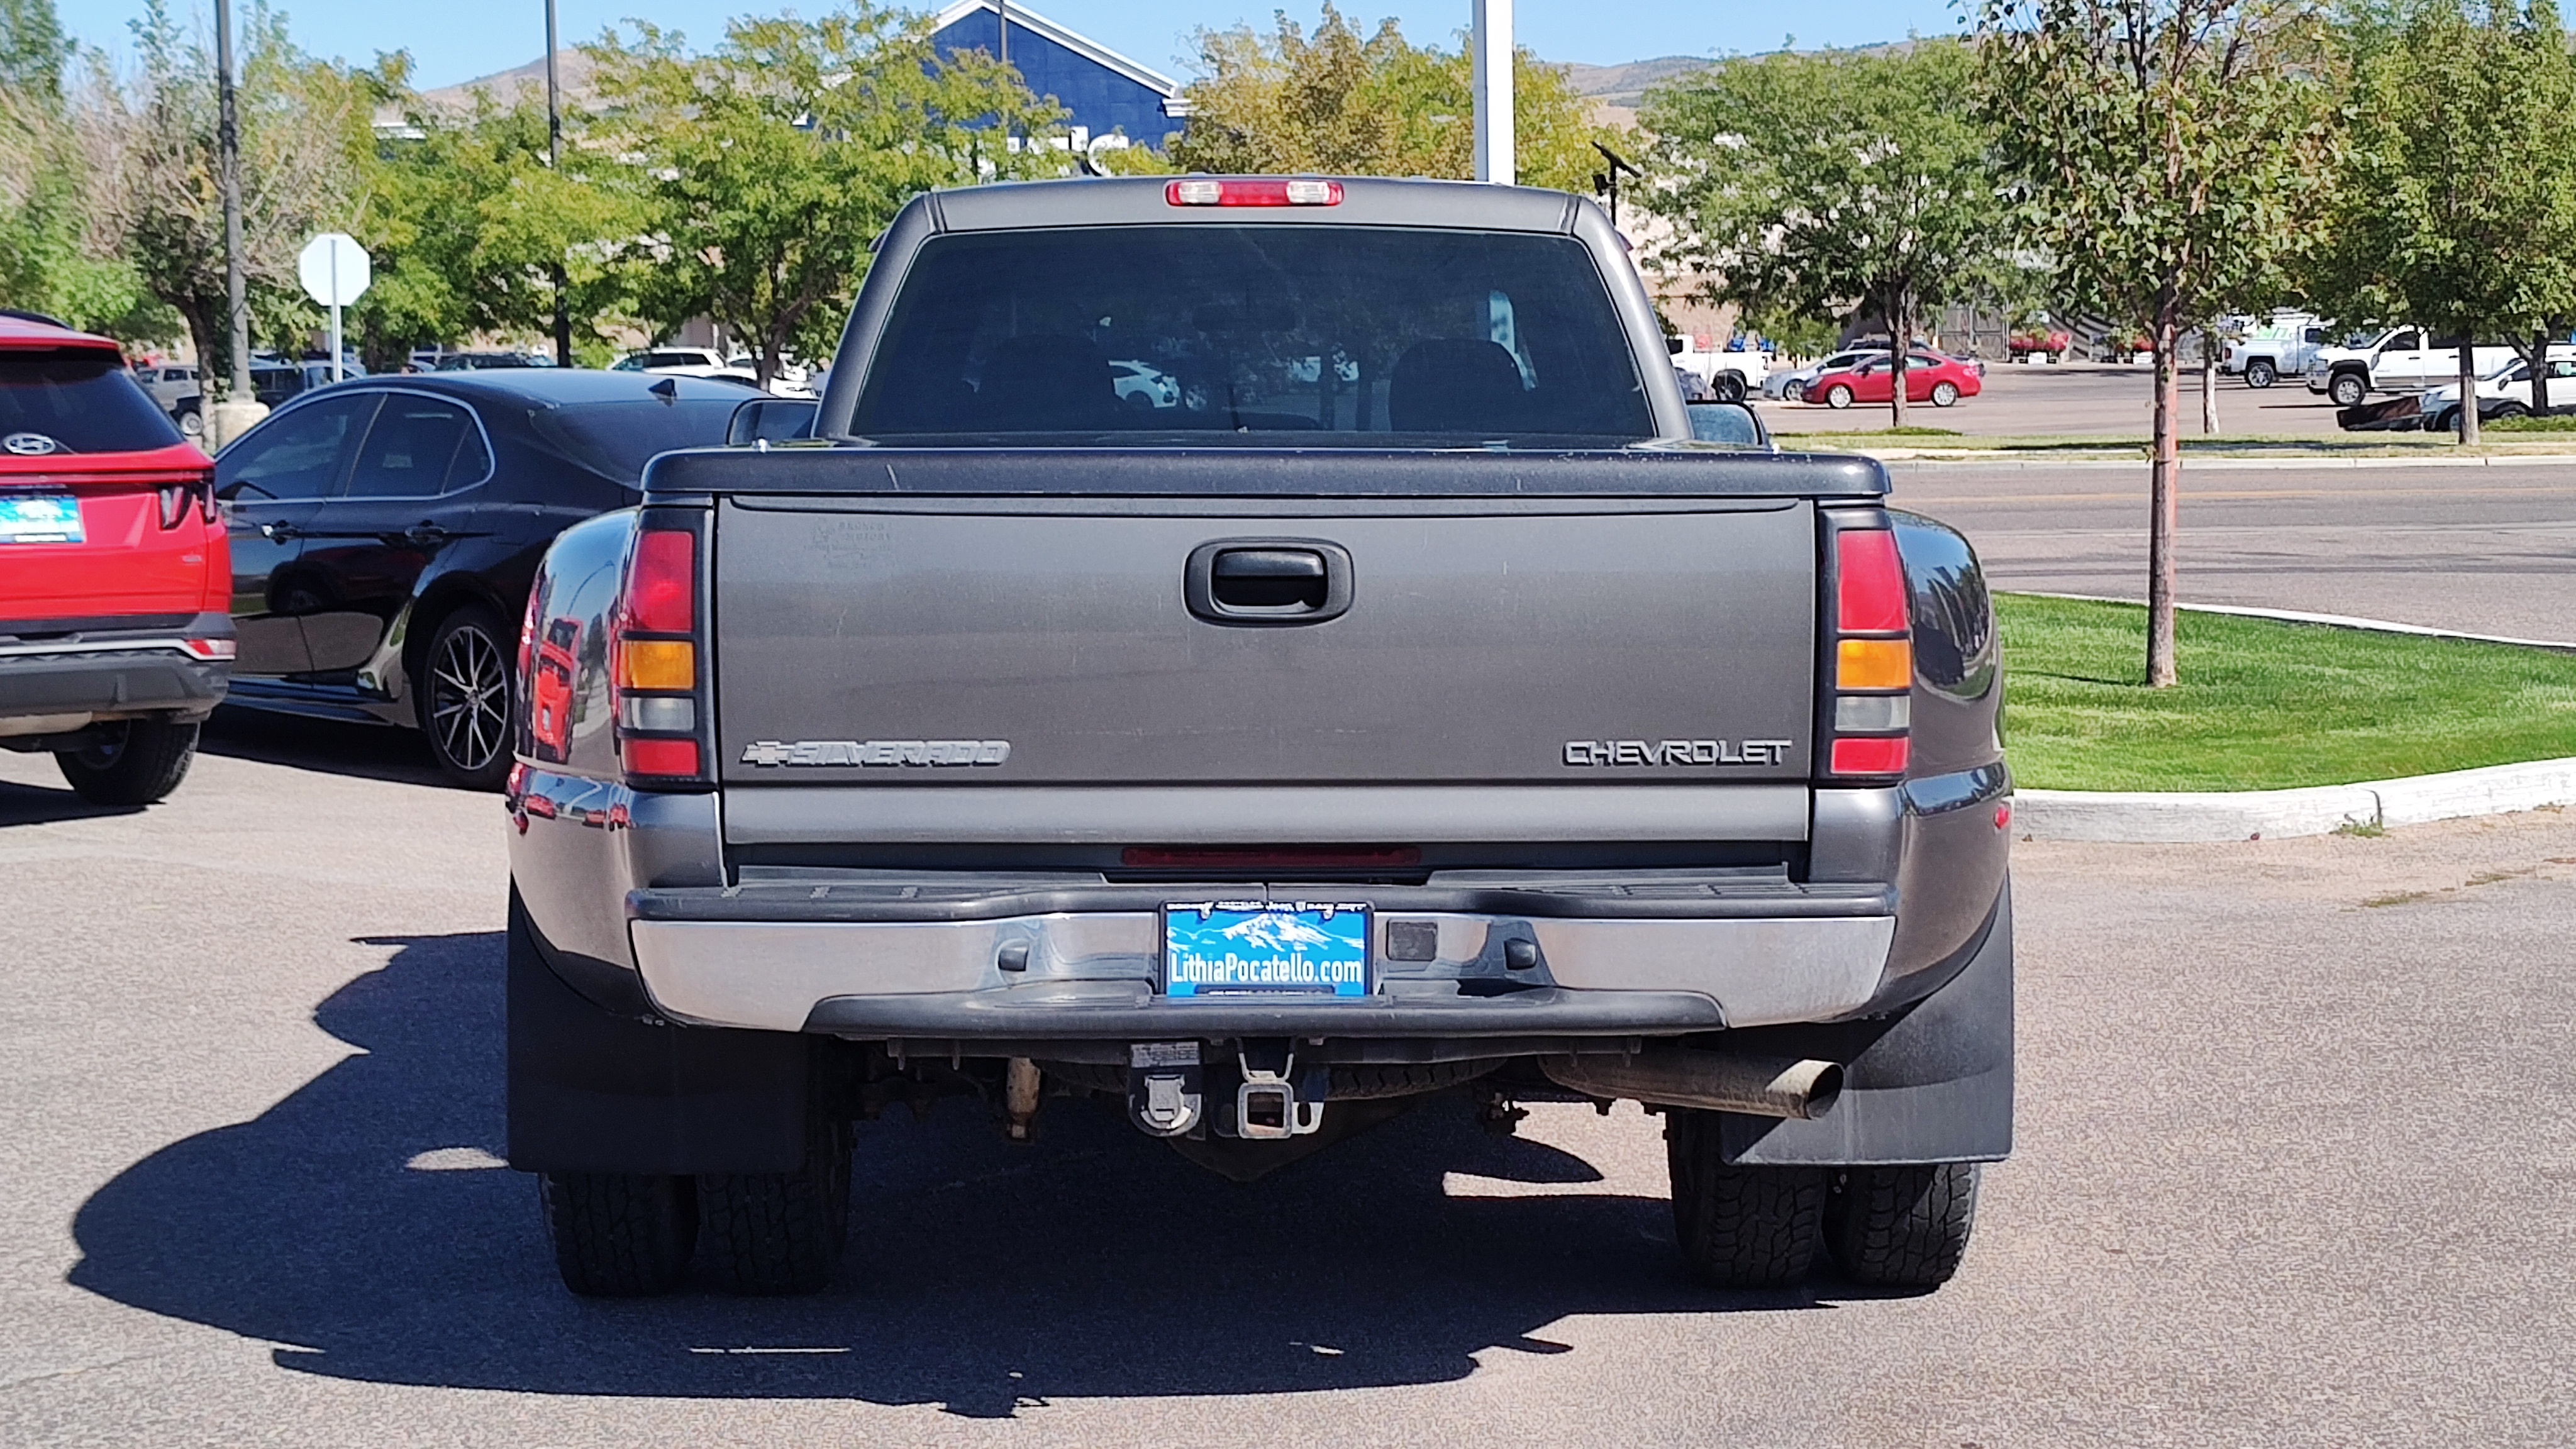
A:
(1873, 656)
(653, 638)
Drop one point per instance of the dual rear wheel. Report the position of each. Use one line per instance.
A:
(1764, 1227)
(625, 1235)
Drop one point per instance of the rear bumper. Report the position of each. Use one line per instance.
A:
(112, 673)
(1514, 959)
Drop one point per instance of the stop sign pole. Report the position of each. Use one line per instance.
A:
(335, 271)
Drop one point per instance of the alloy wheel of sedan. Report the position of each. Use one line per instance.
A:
(469, 699)
(1944, 394)
(1838, 397)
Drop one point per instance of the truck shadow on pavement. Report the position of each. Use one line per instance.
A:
(38, 805)
(362, 1226)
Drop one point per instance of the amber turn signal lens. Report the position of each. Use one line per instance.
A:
(1874, 664)
(657, 664)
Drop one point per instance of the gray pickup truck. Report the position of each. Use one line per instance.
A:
(1393, 700)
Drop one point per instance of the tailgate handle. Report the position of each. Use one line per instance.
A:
(1268, 581)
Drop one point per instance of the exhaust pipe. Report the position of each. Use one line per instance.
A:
(1704, 1081)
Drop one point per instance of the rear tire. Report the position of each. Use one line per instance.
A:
(466, 697)
(1838, 397)
(1728, 387)
(1902, 1227)
(620, 1235)
(1739, 1227)
(2259, 373)
(782, 1232)
(136, 762)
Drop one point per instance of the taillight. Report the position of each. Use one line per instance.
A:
(177, 498)
(212, 651)
(1261, 191)
(661, 728)
(1872, 661)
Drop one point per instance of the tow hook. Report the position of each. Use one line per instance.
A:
(1273, 1101)
(1020, 1083)
(1165, 1087)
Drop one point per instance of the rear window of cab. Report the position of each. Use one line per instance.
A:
(76, 400)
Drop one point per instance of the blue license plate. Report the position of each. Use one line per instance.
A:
(1290, 948)
(40, 518)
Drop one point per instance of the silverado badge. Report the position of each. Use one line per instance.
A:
(877, 752)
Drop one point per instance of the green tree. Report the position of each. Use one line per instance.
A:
(1340, 104)
(1802, 185)
(769, 166)
(2174, 156)
(33, 50)
(2456, 208)
(468, 225)
(307, 142)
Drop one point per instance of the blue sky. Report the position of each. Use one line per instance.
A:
(453, 40)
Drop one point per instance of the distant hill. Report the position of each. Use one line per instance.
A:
(1625, 85)
(572, 72)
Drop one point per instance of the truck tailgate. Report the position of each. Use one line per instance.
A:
(1052, 642)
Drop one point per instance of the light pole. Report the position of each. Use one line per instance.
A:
(554, 162)
(1492, 43)
(241, 407)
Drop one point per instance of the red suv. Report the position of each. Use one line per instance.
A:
(116, 629)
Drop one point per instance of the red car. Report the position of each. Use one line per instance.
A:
(116, 629)
(1929, 377)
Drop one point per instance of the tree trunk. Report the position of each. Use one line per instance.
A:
(2164, 479)
(2208, 382)
(2468, 393)
(2539, 356)
(1900, 340)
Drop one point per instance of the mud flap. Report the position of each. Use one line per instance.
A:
(1933, 1083)
(593, 1091)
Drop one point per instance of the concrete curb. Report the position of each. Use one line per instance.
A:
(2182, 817)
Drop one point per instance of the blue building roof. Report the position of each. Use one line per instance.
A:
(1105, 91)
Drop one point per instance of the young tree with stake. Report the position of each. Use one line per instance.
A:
(2171, 155)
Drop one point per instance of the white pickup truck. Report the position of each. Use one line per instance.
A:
(1731, 376)
(2279, 346)
(2402, 359)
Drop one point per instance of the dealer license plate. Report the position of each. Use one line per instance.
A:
(1292, 948)
(40, 518)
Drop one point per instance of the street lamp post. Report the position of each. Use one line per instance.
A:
(1492, 43)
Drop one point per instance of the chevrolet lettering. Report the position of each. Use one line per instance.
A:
(1675, 752)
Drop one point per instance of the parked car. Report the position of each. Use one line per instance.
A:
(114, 580)
(680, 361)
(1143, 385)
(166, 382)
(2279, 346)
(1792, 386)
(384, 532)
(491, 361)
(1260, 767)
(1929, 377)
(2401, 359)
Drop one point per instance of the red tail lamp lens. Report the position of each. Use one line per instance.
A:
(1869, 583)
(662, 589)
(661, 757)
(1870, 756)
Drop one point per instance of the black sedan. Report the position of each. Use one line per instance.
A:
(385, 531)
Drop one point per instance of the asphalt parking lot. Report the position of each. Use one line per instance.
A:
(2296, 1122)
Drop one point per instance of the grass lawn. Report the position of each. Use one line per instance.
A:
(2264, 705)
